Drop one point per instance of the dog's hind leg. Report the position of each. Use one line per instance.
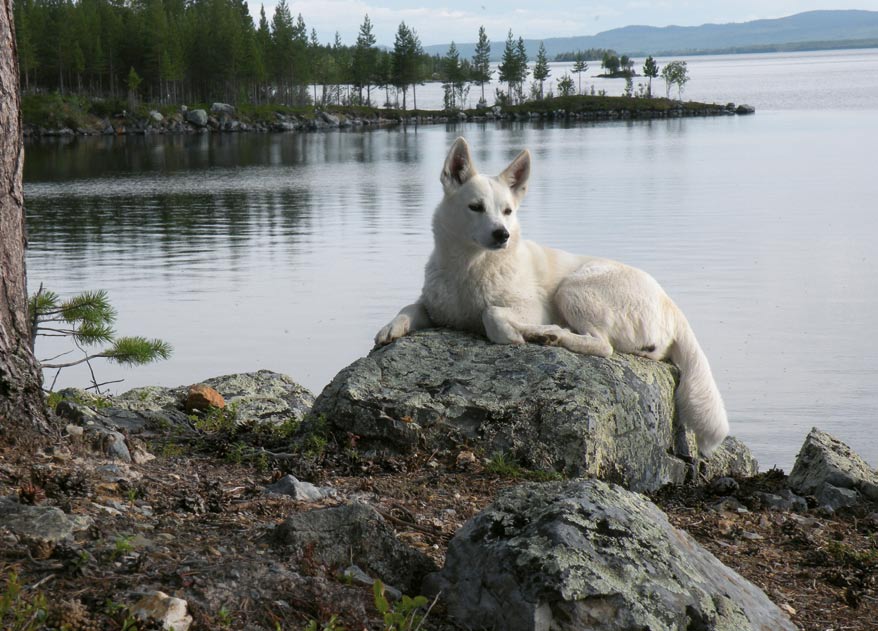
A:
(503, 326)
(586, 344)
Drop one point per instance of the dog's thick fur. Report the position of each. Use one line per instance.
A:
(483, 277)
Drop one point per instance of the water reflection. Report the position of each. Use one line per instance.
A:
(289, 251)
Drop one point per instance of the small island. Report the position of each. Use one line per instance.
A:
(53, 116)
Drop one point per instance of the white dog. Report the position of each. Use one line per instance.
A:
(482, 277)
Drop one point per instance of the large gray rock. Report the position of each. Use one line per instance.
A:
(262, 397)
(544, 407)
(196, 117)
(355, 533)
(39, 523)
(832, 472)
(329, 119)
(588, 555)
(222, 108)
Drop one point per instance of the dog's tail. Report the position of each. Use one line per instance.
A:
(699, 404)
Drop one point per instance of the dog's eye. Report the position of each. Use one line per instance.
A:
(507, 211)
(477, 207)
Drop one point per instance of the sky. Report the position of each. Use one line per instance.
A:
(441, 21)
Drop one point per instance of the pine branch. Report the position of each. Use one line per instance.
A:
(89, 316)
(90, 333)
(89, 307)
(138, 350)
(67, 332)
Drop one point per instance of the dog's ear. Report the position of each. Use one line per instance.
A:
(458, 167)
(517, 174)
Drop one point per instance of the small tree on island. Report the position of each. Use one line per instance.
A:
(579, 66)
(364, 60)
(482, 63)
(521, 55)
(650, 70)
(675, 73)
(454, 78)
(87, 319)
(611, 63)
(565, 85)
(509, 65)
(406, 51)
(541, 68)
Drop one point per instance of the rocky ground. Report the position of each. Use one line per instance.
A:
(145, 509)
(197, 525)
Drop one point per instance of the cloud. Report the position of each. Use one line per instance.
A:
(440, 21)
(437, 25)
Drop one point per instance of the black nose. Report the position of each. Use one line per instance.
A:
(501, 235)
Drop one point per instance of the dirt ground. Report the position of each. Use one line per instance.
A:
(194, 522)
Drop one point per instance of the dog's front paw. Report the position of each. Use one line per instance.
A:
(397, 328)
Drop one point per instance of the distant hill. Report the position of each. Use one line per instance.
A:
(812, 29)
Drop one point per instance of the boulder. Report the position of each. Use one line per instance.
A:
(155, 116)
(41, 527)
(263, 397)
(589, 555)
(196, 117)
(256, 398)
(222, 108)
(354, 533)
(745, 109)
(543, 407)
(832, 472)
(329, 119)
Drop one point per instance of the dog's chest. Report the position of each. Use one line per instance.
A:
(456, 296)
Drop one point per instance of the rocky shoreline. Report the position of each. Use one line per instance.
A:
(225, 118)
(498, 482)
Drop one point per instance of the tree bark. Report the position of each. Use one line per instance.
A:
(21, 397)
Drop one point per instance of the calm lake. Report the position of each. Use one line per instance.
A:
(289, 251)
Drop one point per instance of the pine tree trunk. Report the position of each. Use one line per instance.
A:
(21, 397)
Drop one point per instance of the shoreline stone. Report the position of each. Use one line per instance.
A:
(542, 407)
(257, 398)
(354, 533)
(832, 472)
(585, 554)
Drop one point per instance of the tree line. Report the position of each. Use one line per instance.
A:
(177, 51)
(191, 51)
(589, 54)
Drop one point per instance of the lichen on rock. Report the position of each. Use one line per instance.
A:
(544, 407)
(590, 555)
